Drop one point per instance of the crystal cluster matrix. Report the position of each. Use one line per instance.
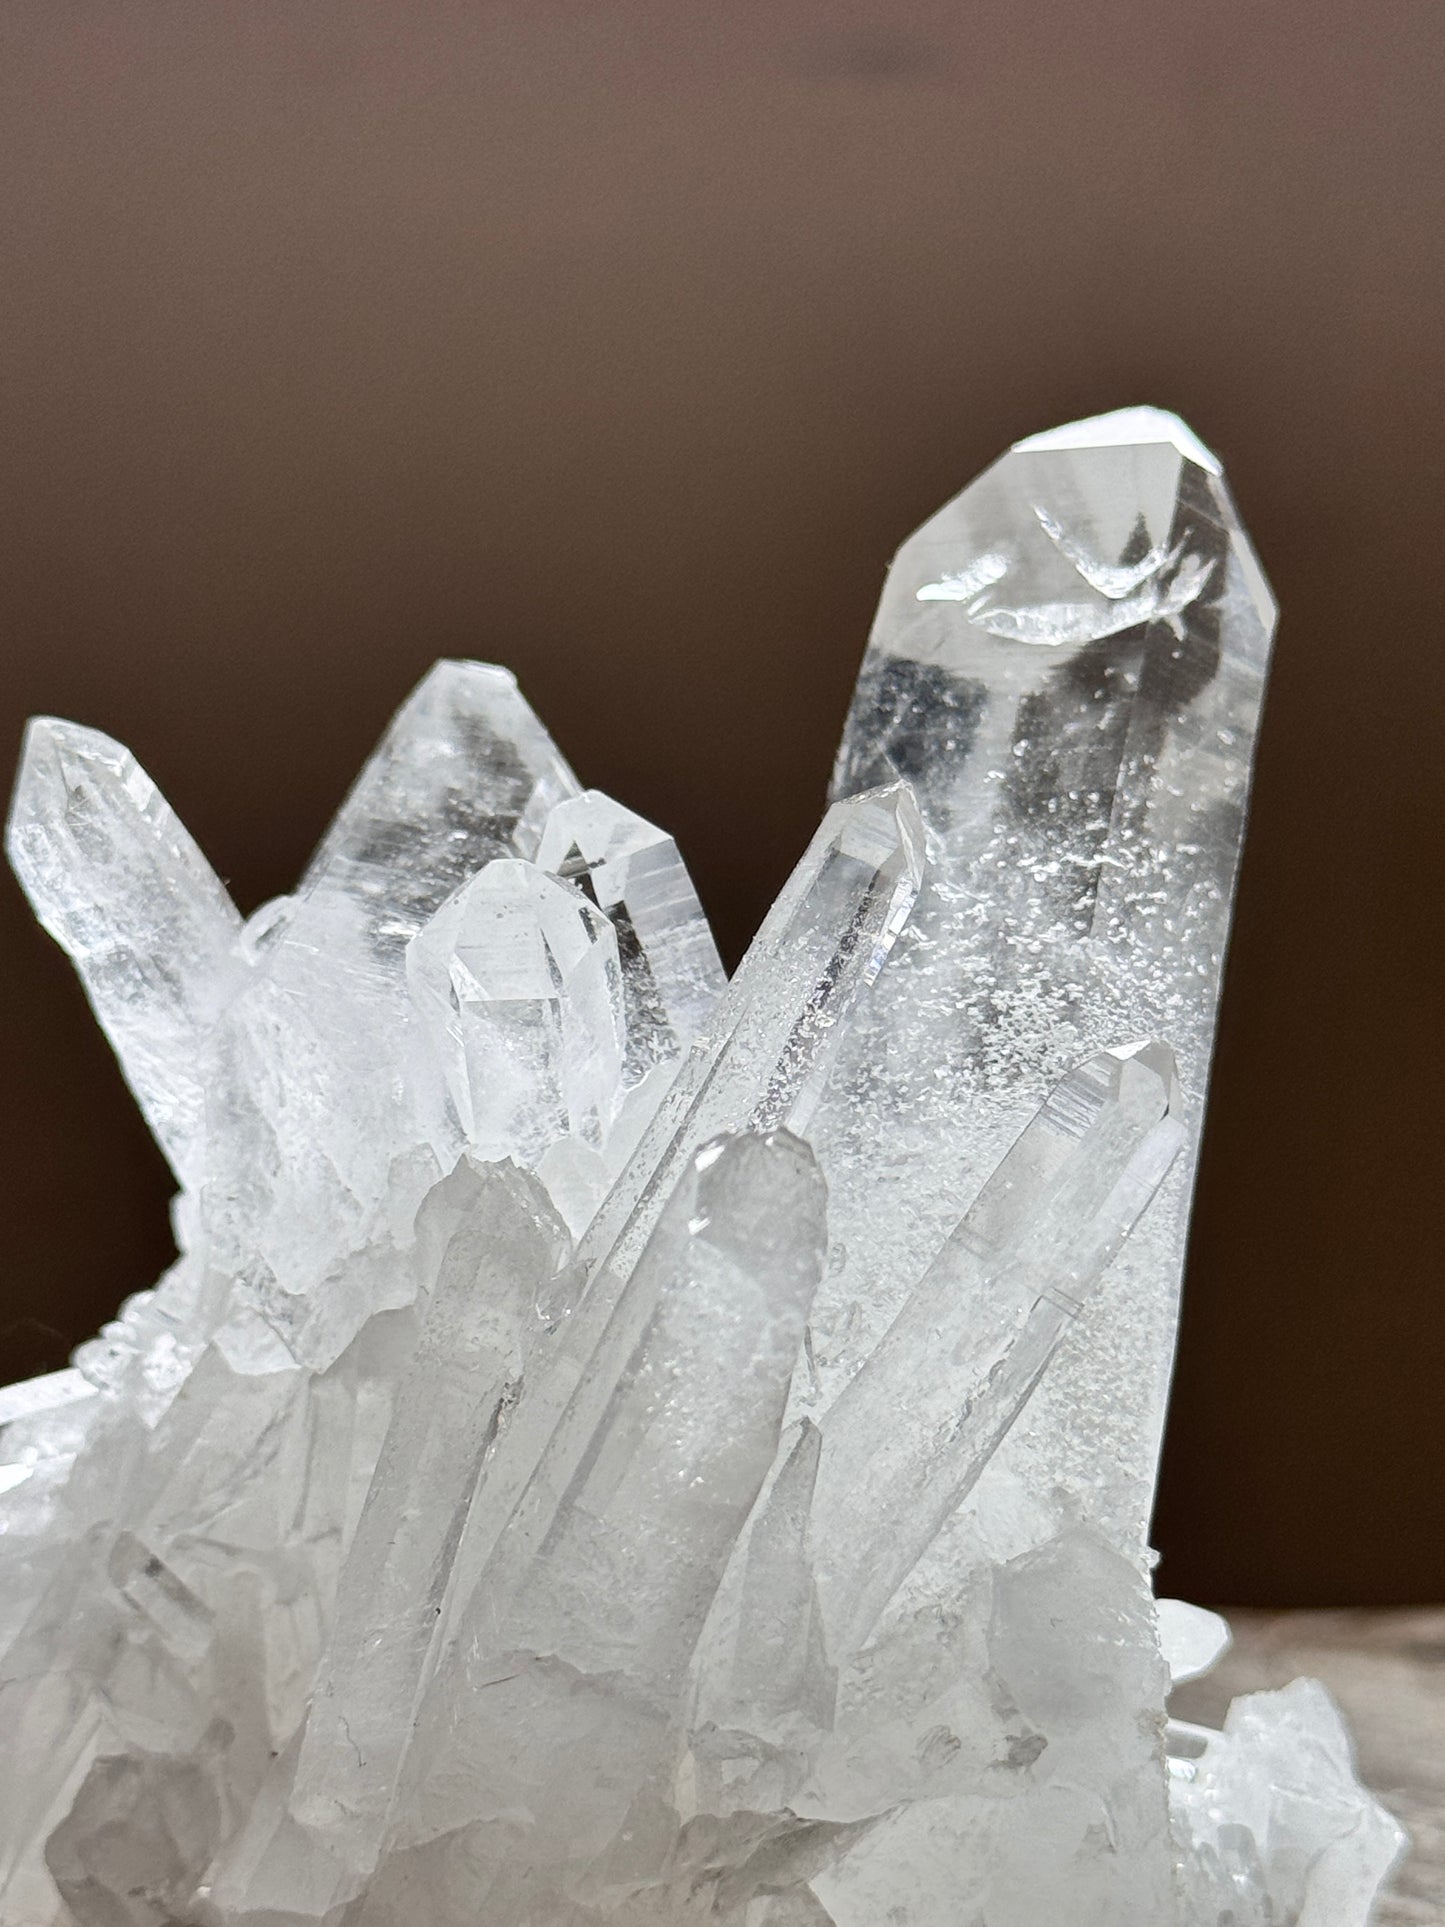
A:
(620, 1445)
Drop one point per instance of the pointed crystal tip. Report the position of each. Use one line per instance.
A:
(1154, 1055)
(1120, 428)
(880, 824)
(51, 750)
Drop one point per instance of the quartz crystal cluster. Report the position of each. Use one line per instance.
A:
(619, 1445)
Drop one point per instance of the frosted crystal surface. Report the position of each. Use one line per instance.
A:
(617, 1445)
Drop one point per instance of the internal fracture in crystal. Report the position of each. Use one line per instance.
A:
(618, 1445)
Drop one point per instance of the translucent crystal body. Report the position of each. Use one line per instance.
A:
(476, 1334)
(517, 979)
(671, 973)
(767, 1051)
(620, 1447)
(1078, 731)
(604, 1575)
(117, 881)
(991, 1310)
(312, 1071)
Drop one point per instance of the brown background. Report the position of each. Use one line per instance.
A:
(623, 342)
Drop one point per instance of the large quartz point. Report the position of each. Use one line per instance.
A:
(1067, 665)
(617, 1446)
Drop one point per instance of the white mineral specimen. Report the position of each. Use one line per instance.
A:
(620, 1446)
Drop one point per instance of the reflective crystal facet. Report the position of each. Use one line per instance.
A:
(620, 1447)
(765, 1056)
(465, 773)
(314, 1067)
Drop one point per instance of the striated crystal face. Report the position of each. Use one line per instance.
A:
(621, 1446)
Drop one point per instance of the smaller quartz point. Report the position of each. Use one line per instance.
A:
(139, 1835)
(117, 881)
(517, 979)
(672, 975)
(1270, 1821)
(179, 1617)
(732, 1272)
(908, 1438)
(764, 1058)
(1192, 1639)
(464, 773)
(610, 1562)
(468, 1363)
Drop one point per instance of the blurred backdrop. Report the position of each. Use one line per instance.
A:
(622, 342)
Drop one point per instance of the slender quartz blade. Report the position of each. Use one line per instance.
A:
(1067, 665)
(913, 1431)
(765, 1672)
(467, 1364)
(604, 1576)
(117, 881)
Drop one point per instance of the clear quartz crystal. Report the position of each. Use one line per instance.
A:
(599, 1587)
(465, 773)
(1067, 665)
(116, 880)
(1083, 779)
(762, 1061)
(766, 1054)
(671, 973)
(476, 1333)
(774, 1554)
(516, 978)
(312, 1075)
(914, 1431)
